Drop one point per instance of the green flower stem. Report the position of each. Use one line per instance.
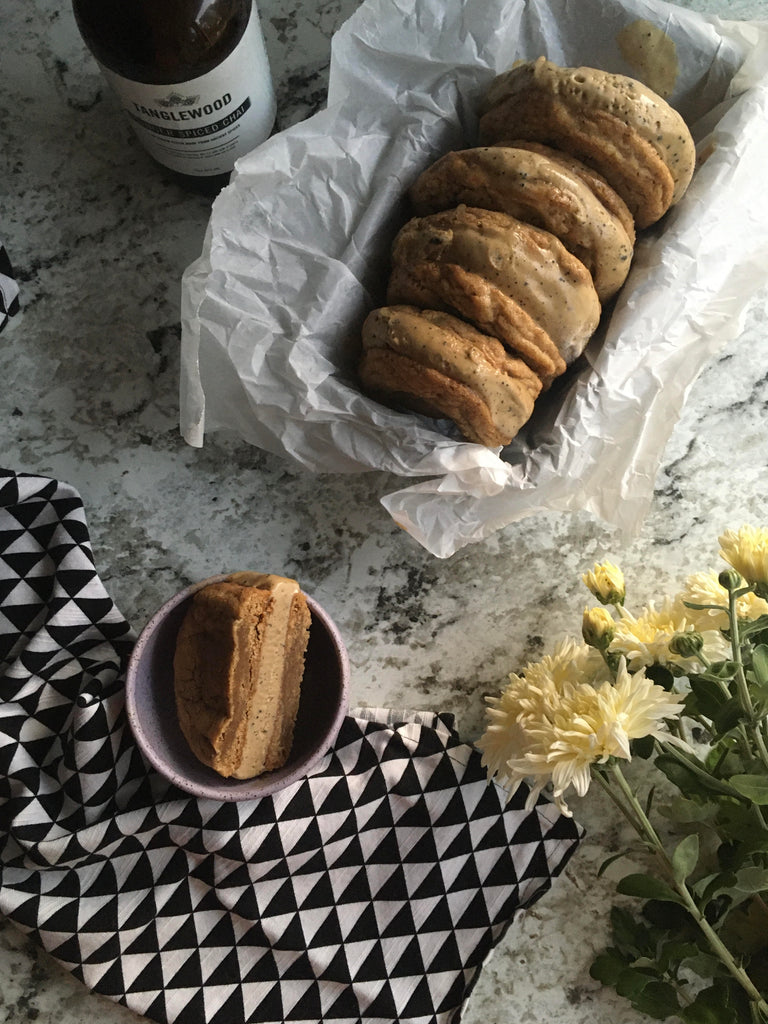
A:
(714, 940)
(646, 827)
(619, 804)
(742, 732)
(741, 680)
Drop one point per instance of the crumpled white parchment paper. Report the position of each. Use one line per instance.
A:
(296, 254)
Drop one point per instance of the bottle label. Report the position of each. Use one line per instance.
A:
(202, 126)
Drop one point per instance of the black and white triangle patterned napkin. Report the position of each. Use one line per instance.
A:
(9, 290)
(372, 890)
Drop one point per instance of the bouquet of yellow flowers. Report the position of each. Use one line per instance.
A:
(683, 686)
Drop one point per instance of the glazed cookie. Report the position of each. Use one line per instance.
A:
(525, 263)
(625, 131)
(450, 288)
(539, 189)
(608, 196)
(437, 365)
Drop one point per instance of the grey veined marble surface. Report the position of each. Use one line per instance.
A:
(89, 370)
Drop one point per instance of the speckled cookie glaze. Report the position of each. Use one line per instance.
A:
(595, 98)
(526, 263)
(453, 289)
(536, 188)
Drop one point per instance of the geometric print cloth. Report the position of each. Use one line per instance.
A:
(9, 290)
(372, 890)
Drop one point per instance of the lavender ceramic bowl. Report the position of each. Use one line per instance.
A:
(151, 707)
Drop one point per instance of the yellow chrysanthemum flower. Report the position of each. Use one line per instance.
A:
(570, 663)
(746, 549)
(535, 694)
(540, 685)
(545, 741)
(705, 588)
(644, 640)
(504, 732)
(606, 582)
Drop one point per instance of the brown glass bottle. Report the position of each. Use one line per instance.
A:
(192, 76)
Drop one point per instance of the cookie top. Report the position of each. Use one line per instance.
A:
(631, 135)
(594, 181)
(542, 190)
(526, 263)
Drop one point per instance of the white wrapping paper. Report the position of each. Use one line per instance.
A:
(296, 254)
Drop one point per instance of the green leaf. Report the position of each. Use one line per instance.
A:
(709, 696)
(685, 857)
(728, 717)
(721, 1002)
(705, 965)
(745, 933)
(759, 625)
(702, 1011)
(759, 695)
(760, 664)
(629, 935)
(660, 675)
(608, 861)
(607, 968)
(752, 879)
(658, 999)
(643, 747)
(671, 917)
(710, 886)
(673, 954)
(740, 831)
(754, 787)
(647, 887)
(698, 785)
(686, 812)
(686, 780)
(723, 757)
(631, 982)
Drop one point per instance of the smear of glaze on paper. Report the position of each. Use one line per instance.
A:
(651, 53)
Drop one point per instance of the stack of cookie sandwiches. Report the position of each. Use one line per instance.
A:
(498, 281)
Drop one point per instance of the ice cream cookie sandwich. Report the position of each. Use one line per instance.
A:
(527, 264)
(440, 366)
(540, 188)
(615, 124)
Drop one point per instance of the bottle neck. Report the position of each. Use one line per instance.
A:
(161, 42)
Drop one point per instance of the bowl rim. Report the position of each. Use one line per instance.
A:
(220, 788)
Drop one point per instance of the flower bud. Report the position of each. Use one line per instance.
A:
(606, 583)
(730, 580)
(686, 645)
(597, 628)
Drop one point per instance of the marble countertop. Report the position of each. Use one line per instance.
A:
(99, 238)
